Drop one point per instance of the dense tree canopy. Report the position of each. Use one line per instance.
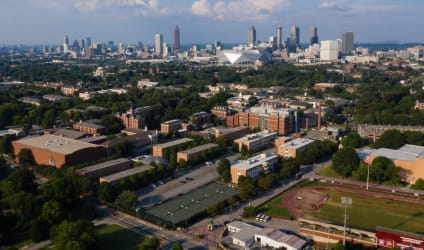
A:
(345, 161)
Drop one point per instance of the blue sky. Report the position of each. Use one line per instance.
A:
(130, 21)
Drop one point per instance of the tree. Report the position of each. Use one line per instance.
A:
(383, 169)
(352, 140)
(223, 169)
(221, 141)
(52, 212)
(250, 211)
(419, 184)
(112, 124)
(127, 198)
(25, 156)
(177, 246)
(390, 139)
(345, 161)
(73, 235)
(150, 243)
(247, 187)
(105, 192)
(35, 231)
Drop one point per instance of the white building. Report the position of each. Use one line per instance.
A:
(330, 50)
(243, 233)
(270, 237)
(159, 44)
(244, 57)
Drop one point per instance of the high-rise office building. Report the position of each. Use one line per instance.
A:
(251, 36)
(313, 34)
(294, 33)
(279, 37)
(330, 50)
(88, 42)
(83, 44)
(273, 42)
(177, 45)
(347, 42)
(65, 44)
(159, 44)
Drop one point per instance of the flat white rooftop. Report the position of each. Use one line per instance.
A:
(406, 153)
(258, 136)
(297, 143)
(254, 161)
(56, 143)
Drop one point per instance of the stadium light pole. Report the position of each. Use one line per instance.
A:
(368, 174)
(345, 201)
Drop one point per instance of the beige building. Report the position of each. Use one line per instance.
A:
(409, 157)
(291, 148)
(191, 153)
(161, 149)
(253, 167)
(256, 141)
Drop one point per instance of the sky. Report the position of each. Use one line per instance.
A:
(204, 21)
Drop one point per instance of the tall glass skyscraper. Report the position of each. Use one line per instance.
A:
(313, 34)
(251, 37)
(347, 42)
(177, 45)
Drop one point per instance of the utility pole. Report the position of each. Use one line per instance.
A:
(345, 201)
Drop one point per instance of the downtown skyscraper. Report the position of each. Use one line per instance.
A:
(295, 34)
(251, 36)
(279, 37)
(313, 34)
(347, 42)
(177, 45)
(159, 44)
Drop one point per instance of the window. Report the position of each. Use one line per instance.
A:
(52, 162)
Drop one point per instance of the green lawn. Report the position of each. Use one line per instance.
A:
(274, 208)
(116, 237)
(328, 172)
(368, 212)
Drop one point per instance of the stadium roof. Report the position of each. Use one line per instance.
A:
(55, 144)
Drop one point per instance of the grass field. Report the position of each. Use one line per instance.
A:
(112, 237)
(328, 172)
(368, 212)
(274, 208)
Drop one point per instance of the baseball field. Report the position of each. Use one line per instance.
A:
(368, 209)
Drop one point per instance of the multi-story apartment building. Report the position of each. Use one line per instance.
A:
(253, 167)
(191, 153)
(161, 149)
(256, 141)
(292, 148)
(171, 126)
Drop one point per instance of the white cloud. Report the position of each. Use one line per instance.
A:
(337, 6)
(143, 7)
(240, 10)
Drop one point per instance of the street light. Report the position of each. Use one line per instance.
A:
(345, 201)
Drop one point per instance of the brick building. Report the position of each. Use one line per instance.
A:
(280, 120)
(88, 128)
(171, 126)
(222, 112)
(162, 149)
(130, 119)
(58, 151)
(200, 118)
(192, 153)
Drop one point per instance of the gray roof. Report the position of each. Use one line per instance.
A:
(199, 148)
(56, 144)
(126, 173)
(405, 153)
(279, 236)
(173, 143)
(297, 143)
(102, 165)
(69, 133)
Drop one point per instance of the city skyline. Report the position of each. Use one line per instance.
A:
(204, 21)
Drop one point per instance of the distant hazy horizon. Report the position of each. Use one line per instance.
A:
(204, 21)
